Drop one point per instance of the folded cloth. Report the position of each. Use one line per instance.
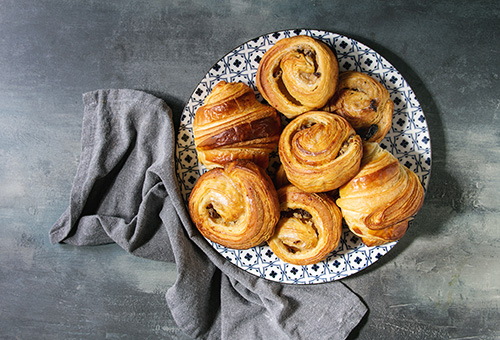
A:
(125, 191)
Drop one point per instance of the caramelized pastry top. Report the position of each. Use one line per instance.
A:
(319, 151)
(365, 103)
(297, 74)
(236, 206)
(379, 201)
(233, 124)
(309, 227)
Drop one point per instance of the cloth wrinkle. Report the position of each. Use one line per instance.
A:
(126, 191)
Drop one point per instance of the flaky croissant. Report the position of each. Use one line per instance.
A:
(236, 206)
(365, 103)
(233, 124)
(379, 201)
(297, 75)
(309, 227)
(319, 151)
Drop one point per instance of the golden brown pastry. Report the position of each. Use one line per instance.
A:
(379, 201)
(309, 227)
(365, 103)
(319, 151)
(280, 179)
(297, 75)
(233, 124)
(236, 206)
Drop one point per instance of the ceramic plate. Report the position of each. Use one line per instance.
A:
(408, 140)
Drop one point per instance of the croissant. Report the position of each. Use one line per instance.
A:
(235, 206)
(365, 103)
(379, 201)
(319, 151)
(233, 124)
(297, 75)
(309, 227)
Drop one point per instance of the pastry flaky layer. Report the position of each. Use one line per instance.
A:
(297, 74)
(319, 151)
(365, 103)
(309, 228)
(233, 124)
(379, 201)
(236, 206)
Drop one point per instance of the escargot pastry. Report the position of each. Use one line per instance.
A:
(233, 124)
(297, 74)
(236, 206)
(309, 227)
(319, 151)
(365, 103)
(379, 201)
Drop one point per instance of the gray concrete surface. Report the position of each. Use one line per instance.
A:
(441, 281)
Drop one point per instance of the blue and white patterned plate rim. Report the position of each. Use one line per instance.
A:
(408, 140)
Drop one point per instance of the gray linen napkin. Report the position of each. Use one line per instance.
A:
(125, 191)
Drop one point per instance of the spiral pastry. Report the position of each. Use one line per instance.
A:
(297, 75)
(365, 103)
(236, 206)
(379, 201)
(319, 151)
(233, 124)
(309, 227)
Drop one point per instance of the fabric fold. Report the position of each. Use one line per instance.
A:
(117, 194)
(125, 191)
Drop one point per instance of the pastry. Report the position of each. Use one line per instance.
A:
(319, 151)
(297, 75)
(379, 201)
(235, 206)
(365, 103)
(280, 179)
(309, 227)
(233, 124)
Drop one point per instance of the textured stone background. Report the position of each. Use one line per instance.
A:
(441, 281)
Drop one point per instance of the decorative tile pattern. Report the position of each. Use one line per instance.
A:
(408, 140)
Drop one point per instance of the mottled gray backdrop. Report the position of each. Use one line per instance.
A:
(441, 281)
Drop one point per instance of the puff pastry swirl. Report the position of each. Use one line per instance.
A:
(365, 103)
(319, 151)
(297, 74)
(379, 201)
(309, 227)
(233, 124)
(236, 206)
